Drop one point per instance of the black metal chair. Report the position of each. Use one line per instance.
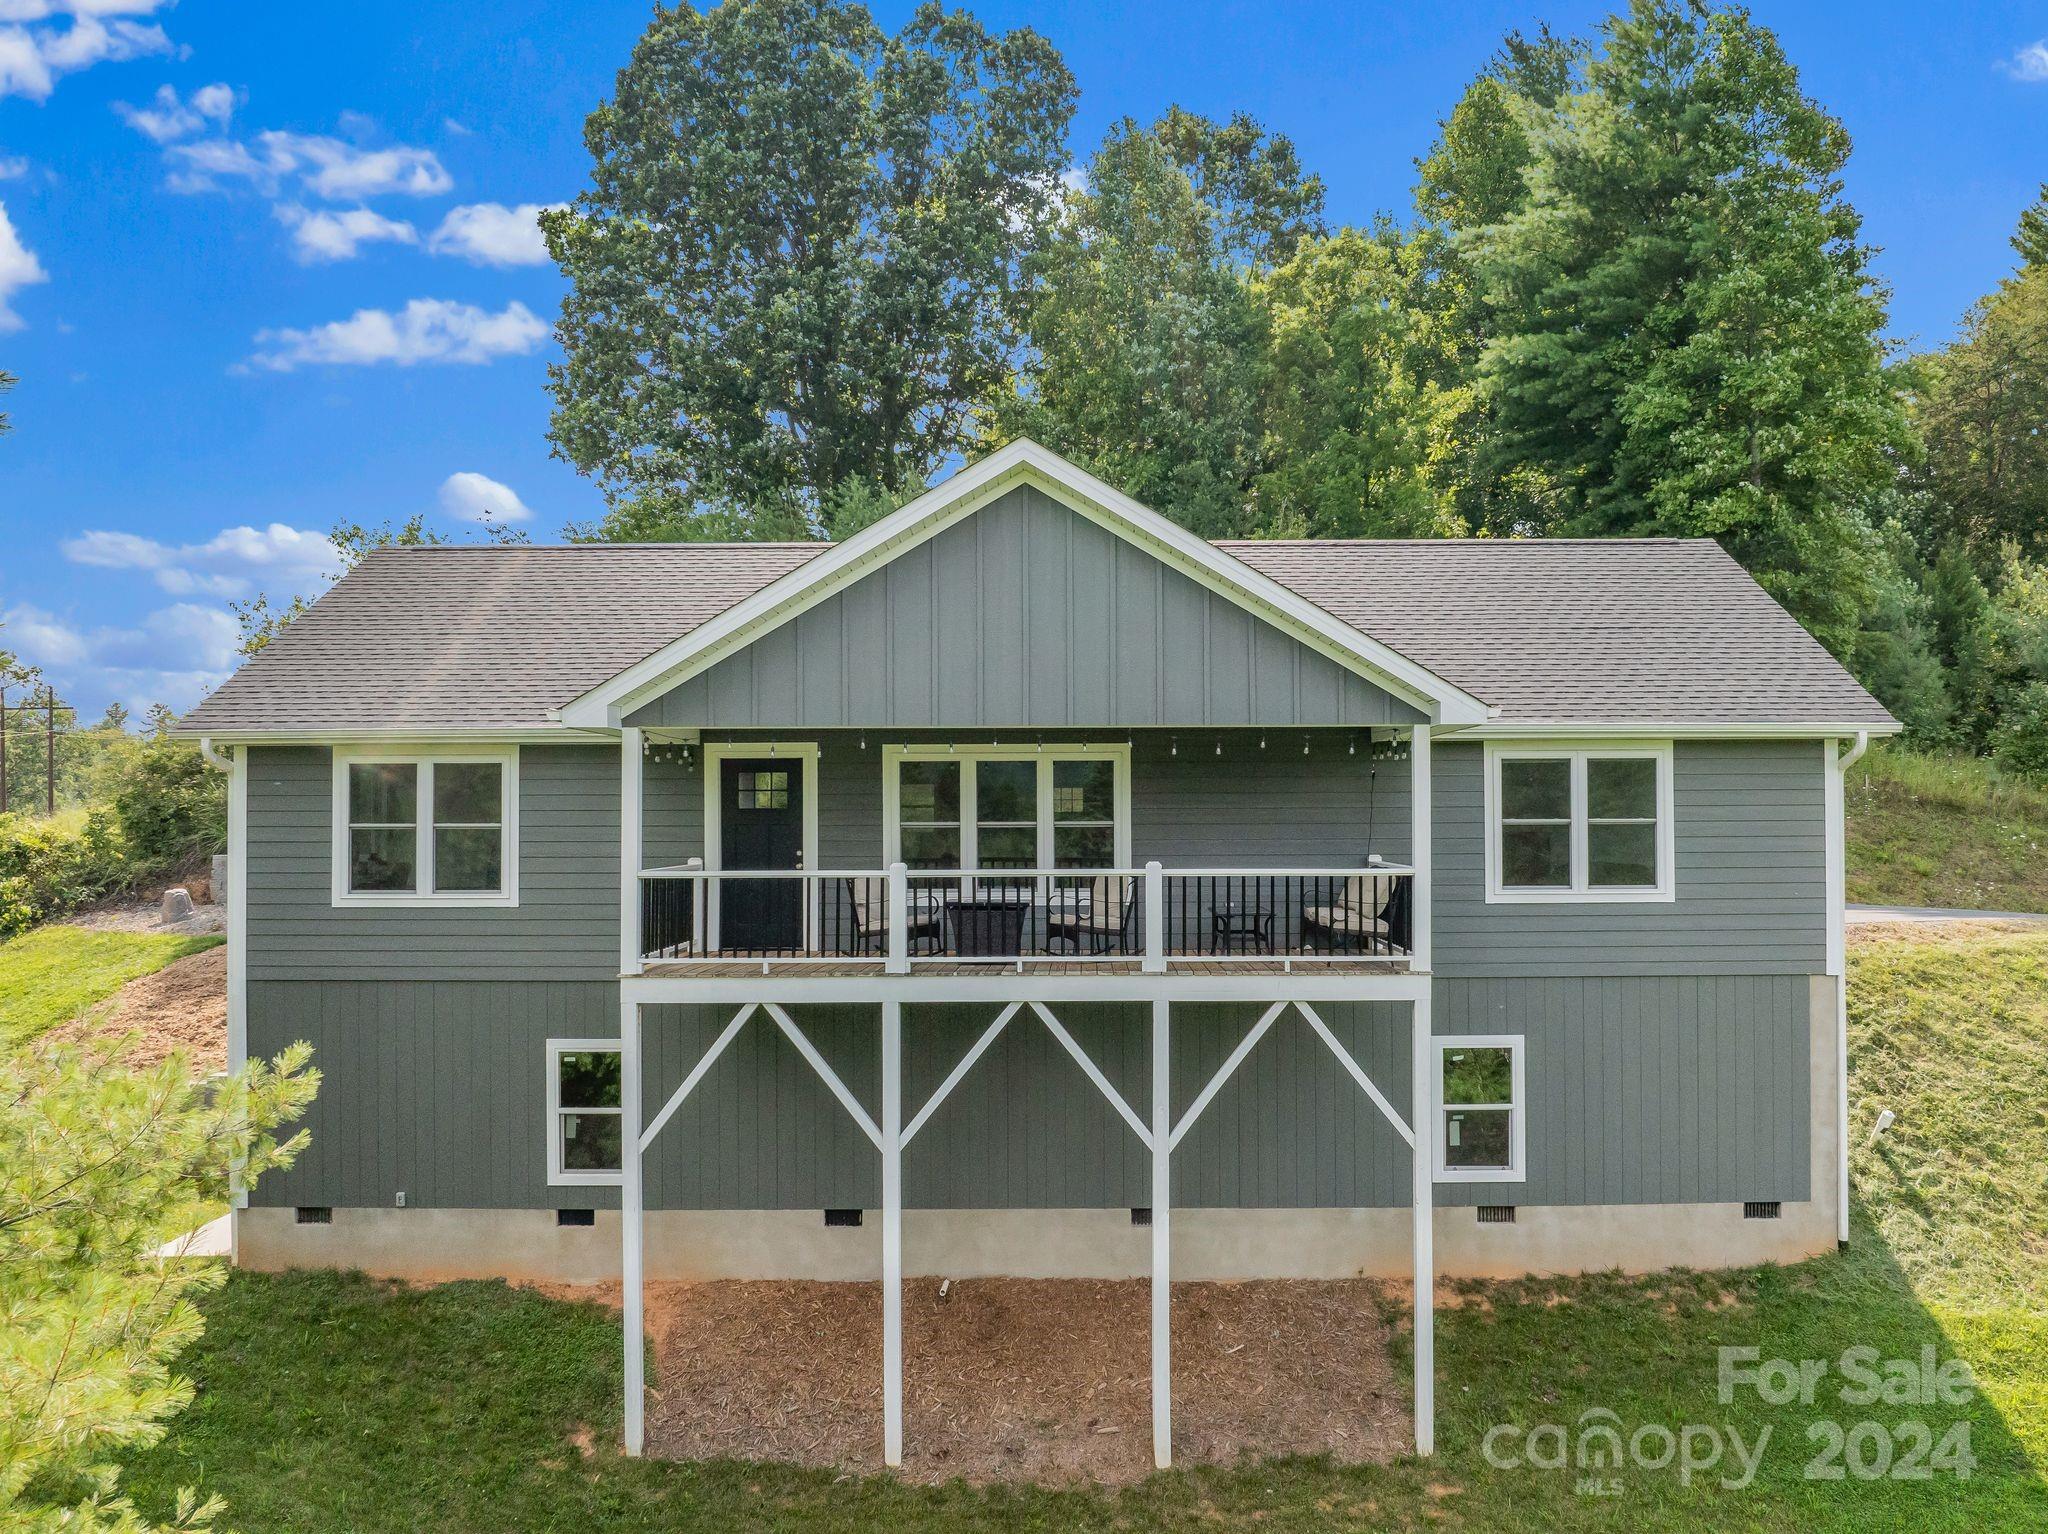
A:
(865, 927)
(1094, 914)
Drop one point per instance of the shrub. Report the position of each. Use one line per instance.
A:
(50, 867)
(172, 807)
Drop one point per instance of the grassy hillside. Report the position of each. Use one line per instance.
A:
(52, 974)
(331, 1402)
(1945, 831)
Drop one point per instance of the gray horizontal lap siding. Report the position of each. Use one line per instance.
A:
(1025, 613)
(566, 926)
(1750, 833)
(1641, 1090)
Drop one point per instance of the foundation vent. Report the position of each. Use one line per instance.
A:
(314, 1214)
(1496, 1214)
(575, 1216)
(1762, 1209)
(1141, 1214)
(842, 1217)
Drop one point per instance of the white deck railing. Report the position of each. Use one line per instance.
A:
(901, 918)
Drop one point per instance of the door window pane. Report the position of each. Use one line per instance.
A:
(1536, 789)
(762, 790)
(382, 858)
(1621, 788)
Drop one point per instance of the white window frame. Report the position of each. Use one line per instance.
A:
(1517, 1169)
(1580, 890)
(424, 758)
(558, 1175)
(1115, 752)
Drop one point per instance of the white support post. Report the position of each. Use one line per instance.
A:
(630, 946)
(1423, 1111)
(1419, 891)
(1162, 1230)
(892, 1233)
(1155, 920)
(899, 920)
(630, 1201)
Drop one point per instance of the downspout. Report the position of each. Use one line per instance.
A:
(1842, 765)
(214, 759)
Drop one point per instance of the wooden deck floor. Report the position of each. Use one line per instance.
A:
(829, 969)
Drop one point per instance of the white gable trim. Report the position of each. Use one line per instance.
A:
(1022, 462)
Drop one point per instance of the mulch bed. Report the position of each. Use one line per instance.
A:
(1022, 1379)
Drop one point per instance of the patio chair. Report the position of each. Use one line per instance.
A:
(864, 927)
(1097, 914)
(1370, 912)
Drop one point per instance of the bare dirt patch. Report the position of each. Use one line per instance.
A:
(1022, 1379)
(146, 916)
(182, 1007)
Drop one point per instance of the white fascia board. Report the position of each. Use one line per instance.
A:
(421, 735)
(1021, 462)
(1633, 729)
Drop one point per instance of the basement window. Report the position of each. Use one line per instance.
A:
(586, 1113)
(1481, 1102)
(426, 828)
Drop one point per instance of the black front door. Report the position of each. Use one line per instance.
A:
(761, 825)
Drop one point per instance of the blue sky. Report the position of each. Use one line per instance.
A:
(264, 267)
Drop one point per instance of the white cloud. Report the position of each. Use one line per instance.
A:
(234, 562)
(34, 53)
(491, 234)
(18, 269)
(12, 167)
(473, 497)
(325, 236)
(175, 655)
(2030, 63)
(171, 118)
(328, 168)
(425, 330)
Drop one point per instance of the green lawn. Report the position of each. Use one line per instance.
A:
(50, 975)
(336, 1403)
(1944, 831)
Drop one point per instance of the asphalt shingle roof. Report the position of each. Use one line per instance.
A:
(1549, 631)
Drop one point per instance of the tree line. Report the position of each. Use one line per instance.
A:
(818, 263)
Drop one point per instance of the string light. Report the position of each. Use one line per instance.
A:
(1174, 750)
(1304, 745)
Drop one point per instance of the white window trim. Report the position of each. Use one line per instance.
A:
(716, 753)
(1580, 891)
(1116, 752)
(426, 895)
(1517, 1169)
(558, 1175)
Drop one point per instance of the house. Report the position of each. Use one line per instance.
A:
(1061, 893)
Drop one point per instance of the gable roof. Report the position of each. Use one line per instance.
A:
(1605, 633)
(1023, 463)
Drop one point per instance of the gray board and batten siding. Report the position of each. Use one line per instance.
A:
(1025, 613)
(1641, 1090)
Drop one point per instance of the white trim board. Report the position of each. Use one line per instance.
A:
(1021, 462)
(423, 894)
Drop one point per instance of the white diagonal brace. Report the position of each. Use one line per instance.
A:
(697, 1073)
(966, 1064)
(1116, 1099)
(1229, 1068)
(825, 1073)
(1344, 1058)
